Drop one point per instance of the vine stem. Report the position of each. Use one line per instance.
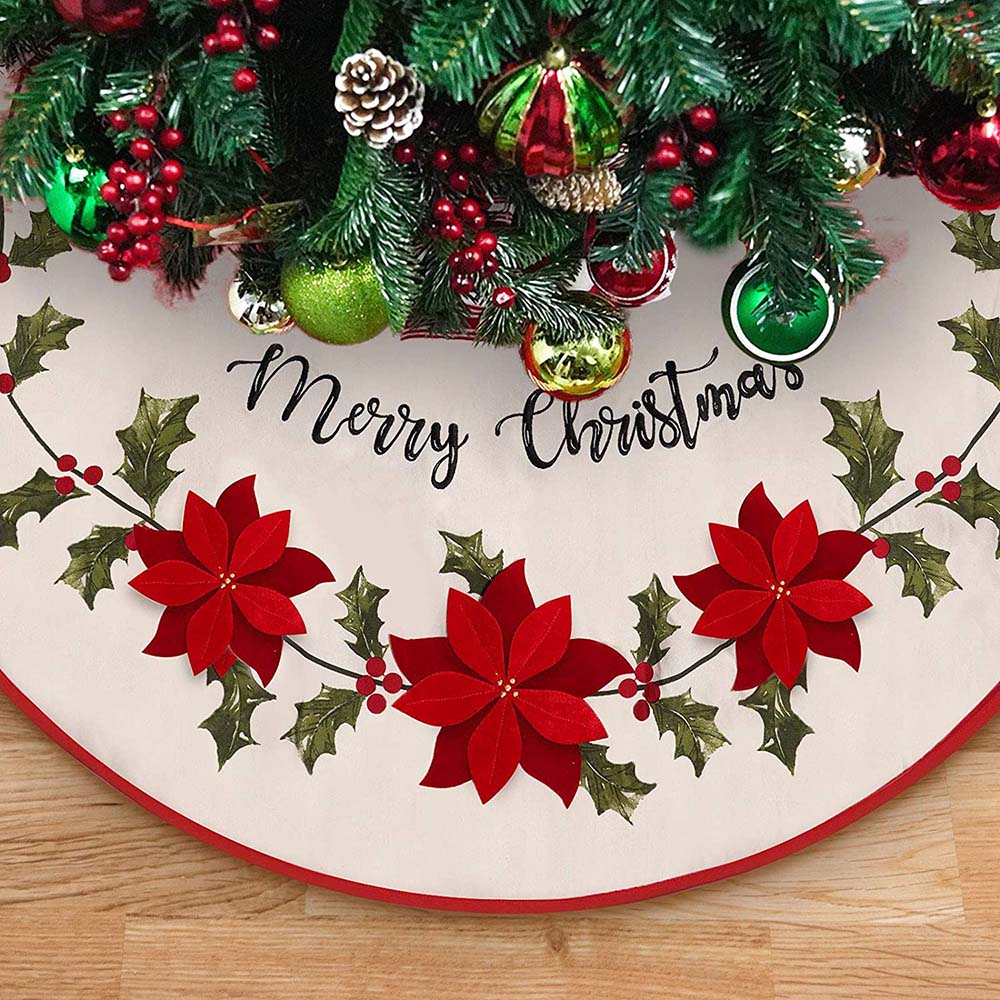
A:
(711, 655)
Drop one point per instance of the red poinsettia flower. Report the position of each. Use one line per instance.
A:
(779, 590)
(227, 580)
(507, 687)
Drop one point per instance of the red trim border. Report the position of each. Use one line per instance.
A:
(970, 725)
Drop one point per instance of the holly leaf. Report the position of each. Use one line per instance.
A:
(611, 786)
(654, 626)
(979, 500)
(696, 735)
(91, 561)
(783, 729)
(869, 444)
(34, 337)
(974, 240)
(229, 724)
(978, 337)
(37, 496)
(925, 571)
(45, 241)
(362, 599)
(158, 430)
(315, 730)
(466, 557)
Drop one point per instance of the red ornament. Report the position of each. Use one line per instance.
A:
(244, 80)
(635, 288)
(779, 589)
(227, 580)
(956, 155)
(507, 687)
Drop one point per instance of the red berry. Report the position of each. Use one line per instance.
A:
(628, 688)
(469, 208)
(468, 153)
(462, 283)
(107, 252)
(651, 692)
(490, 164)
(138, 224)
(504, 297)
(220, 4)
(225, 22)
(479, 221)
(130, 543)
(443, 210)
(110, 192)
(172, 171)
(117, 171)
(170, 193)
(704, 154)
(231, 39)
(951, 466)
(268, 37)
(471, 260)
(244, 80)
(393, 683)
(365, 686)
(120, 271)
(486, 241)
(644, 673)
(118, 233)
(151, 202)
(442, 160)
(4, 268)
(925, 481)
(454, 259)
(128, 258)
(459, 180)
(952, 492)
(492, 265)
(666, 157)
(7, 383)
(144, 252)
(210, 44)
(135, 182)
(375, 666)
(682, 197)
(155, 222)
(404, 153)
(703, 118)
(118, 120)
(64, 486)
(142, 148)
(171, 138)
(881, 548)
(93, 474)
(65, 463)
(266, 7)
(145, 116)
(376, 704)
(641, 710)
(452, 230)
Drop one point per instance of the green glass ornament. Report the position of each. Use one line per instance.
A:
(338, 303)
(765, 336)
(74, 199)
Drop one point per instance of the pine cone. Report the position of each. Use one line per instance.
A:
(380, 98)
(597, 191)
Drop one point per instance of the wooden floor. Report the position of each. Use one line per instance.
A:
(98, 899)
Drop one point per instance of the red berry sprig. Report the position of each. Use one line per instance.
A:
(675, 147)
(367, 685)
(236, 28)
(630, 687)
(951, 466)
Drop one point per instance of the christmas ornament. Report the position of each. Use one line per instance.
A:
(550, 117)
(956, 154)
(597, 191)
(74, 199)
(635, 288)
(380, 98)
(582, 366)
(777, 339)
(260, 311)
(339, 303)
(861, 153)
(106, 17)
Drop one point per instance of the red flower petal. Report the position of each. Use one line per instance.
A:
(475, 636)
(157, 546)
(171, 633)
(225, 663)
(238, 507)
(838, 640)
(733, 613)
(450, 764)
(267, 610)
(741, 555)
(829, 600)
(705, 586)
(446, 699)
(552, 764)
(587, 667)
(419, 658)
(295, 572)
(209, 631)
(206, 534)
(509, 600)
(260, 652)
(752, 668)
(785, 643)
(494, 749)
(174, 583)
(795, 542)
(560, 717)
(759, 516)
(541, 640)
(837, 554)
(260, 544)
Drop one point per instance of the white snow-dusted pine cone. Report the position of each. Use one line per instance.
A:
(380, 98)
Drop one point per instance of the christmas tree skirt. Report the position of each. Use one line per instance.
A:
(505, 653)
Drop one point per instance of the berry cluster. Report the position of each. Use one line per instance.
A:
(64, 485)
(139, 190)
(365, 686)
(629, 688)
(231, 32)
(689, 143)
(951, 466)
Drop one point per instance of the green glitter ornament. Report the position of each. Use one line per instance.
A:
(74, 199)
(338, 303)
(776, 339)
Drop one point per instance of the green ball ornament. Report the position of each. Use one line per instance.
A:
(74, 199)
(338, 303)
(767, 337)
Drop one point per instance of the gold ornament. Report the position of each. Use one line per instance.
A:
(585, 365)
(597, 191)
(259, 311)
(861, 153)
(986, 107)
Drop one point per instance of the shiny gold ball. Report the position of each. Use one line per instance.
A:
(583, 366)
(987, 107)
(260, 312)
(861, 153)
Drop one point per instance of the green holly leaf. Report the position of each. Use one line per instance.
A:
(362, 599)
(974, 240)
(978, 337)
(91, 561)
(979, 500)
(34, 337)
(37, 496)
(783, 729)
(696, 735)
(229, 724)
(611, 786)
(45, 241)
(315, 731)
(869, 444)
(158, 430)
(654, 626)
(925, 571)
(466, 557)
